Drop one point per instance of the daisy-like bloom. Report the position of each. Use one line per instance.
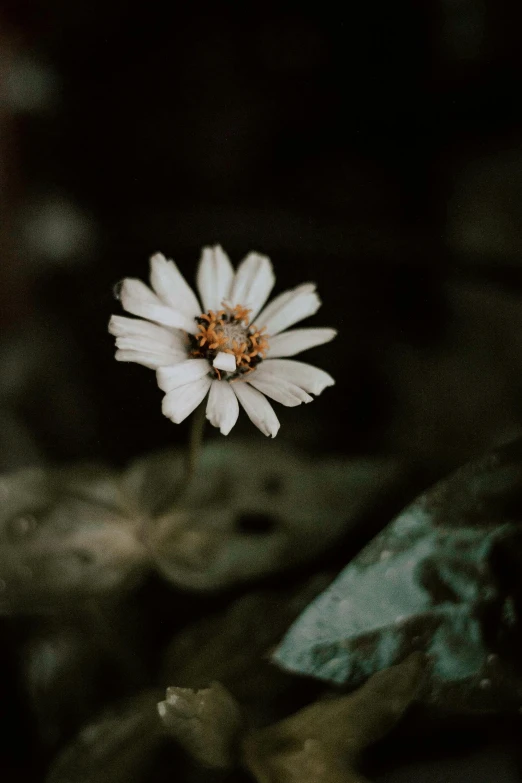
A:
(229, 348)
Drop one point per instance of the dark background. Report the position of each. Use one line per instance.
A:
(374, 149)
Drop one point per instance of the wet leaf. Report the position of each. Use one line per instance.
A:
(443, 577)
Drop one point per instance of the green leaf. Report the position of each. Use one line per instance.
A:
(438, 579)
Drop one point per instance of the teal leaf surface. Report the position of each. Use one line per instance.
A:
(442, 578)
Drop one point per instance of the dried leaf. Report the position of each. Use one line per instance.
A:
(324, 742)
(206, 723)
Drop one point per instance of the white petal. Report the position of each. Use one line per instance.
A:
(149, 359)
(297, 340)
(138, 299)
(191, 370)
(257, 408)
(311, 379)
(144, 346)
(225, 361)
(147, 343)
(120, 326)
(222, 406)
(179, 403)
(252, 284)
(276, 304)
(288, 308)
(280, 390)
(171, 286)
(214, 278)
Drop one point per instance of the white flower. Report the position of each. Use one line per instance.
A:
(230, 348)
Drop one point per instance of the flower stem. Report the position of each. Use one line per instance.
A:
(194, 446)
(195, 441)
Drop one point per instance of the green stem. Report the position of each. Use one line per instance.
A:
(197, 428)
(194, 445)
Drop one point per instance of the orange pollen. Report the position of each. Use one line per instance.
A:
(219, 340)
(240, 352)
(259, 342)
(229, 331)
(241, 313)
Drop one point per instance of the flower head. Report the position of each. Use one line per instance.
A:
(229, 347)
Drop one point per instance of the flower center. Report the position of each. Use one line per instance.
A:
(229, 331)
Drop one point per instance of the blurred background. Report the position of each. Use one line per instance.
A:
(374, 149)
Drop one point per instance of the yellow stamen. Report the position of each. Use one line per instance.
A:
(222, 331)
(241, 313)
(219, 340)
